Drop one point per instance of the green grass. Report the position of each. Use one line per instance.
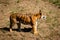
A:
(56, 2)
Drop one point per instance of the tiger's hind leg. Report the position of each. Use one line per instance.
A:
(12, 23)
(19, 26)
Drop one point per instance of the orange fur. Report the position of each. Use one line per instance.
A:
(25, 19)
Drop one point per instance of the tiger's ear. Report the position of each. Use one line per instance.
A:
(40, 12)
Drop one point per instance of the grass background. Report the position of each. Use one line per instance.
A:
(56, 2)
(49, 29)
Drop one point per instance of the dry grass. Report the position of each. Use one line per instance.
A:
(49, 29)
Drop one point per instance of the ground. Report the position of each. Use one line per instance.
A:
(49, 28)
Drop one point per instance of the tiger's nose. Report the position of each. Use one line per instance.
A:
(43, 17)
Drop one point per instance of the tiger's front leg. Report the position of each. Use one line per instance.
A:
(34, 27)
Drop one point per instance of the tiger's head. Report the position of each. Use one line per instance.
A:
(39, 15)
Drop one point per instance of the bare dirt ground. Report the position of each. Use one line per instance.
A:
(49, 29)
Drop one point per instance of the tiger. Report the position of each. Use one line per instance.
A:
(18, 18)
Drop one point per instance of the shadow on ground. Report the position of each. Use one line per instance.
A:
(23, 30)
